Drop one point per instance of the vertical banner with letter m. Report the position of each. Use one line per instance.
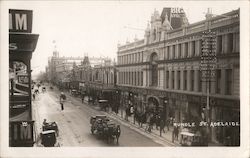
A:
(20, 21)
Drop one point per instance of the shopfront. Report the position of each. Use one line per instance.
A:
(21, 46)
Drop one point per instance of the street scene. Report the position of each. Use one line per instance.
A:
(160, 76)
(74, 122)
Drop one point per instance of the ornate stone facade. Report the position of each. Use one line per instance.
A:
(165, 65)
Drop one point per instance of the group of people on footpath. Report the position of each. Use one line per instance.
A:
(150, 119)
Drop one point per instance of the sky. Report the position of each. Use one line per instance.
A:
(95, 28)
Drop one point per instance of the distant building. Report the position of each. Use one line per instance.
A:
(59, 69)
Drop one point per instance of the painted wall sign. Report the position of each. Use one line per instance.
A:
(21, 133)
(22, 42)
(20, 21)
(24, 79)
(176, 16)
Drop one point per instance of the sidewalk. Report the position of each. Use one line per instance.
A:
(167, 136)
(165, 139)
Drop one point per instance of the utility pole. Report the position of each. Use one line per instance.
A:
(208, 65)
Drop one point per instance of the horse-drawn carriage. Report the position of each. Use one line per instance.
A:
(49, 133)
(105, 128)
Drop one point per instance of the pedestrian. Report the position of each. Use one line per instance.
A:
(162, 125)
(127, 111)
(62, 99)
(147, 123)
(34, 96)
(82, 98)
(157, 121)
(168, 123)
(135, 114)
(45, 122)
(176, 132)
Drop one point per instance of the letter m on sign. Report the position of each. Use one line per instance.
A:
(20, 20)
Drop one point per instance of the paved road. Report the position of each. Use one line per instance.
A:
(73, 122)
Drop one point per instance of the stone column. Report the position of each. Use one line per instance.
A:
(176, 51)
(196, 48)
(135, 78)
(190, 49)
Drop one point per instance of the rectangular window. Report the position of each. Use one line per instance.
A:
(218, 81)
(141, 59)
(229, 83)
(172, 80)
(192, 79)
(173, 52)
(185, 50)
(141, 78)
(185, 79)
(178, 79)
(230, 42)
(218, 44)
(192, 49)
(179, 51)
(176, 51)
(237, 43)
(167, 78)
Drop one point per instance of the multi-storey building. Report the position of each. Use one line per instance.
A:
(161, 73)
(98, 80)
(61, 70)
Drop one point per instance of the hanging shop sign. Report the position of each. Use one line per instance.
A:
(23, 79)
(22, 42)
(20, 21)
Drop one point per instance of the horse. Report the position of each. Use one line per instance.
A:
(140, 118)
(112, 132)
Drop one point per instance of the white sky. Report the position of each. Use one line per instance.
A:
(95, 28)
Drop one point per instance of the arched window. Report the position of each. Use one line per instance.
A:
(154, 69)
(154, 34)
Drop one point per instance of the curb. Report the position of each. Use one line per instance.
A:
(151, 135)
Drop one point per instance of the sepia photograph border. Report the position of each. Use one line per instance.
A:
(143, 152)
